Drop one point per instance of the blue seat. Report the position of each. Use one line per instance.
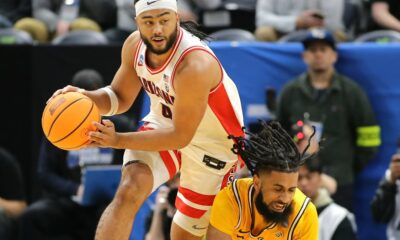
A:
(14, 36)
(82, 37)
(296, 36)
(232, 34)
(379, 36)
(4, 22)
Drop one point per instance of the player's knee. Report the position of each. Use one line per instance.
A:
(127, 192)
(136, 184)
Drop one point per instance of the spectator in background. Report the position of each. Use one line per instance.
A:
(303, 137)
(385, 205)
(275, 18)
(17, 14)
(160, 220)
(205, 4)
(12, 195)
(57, 216)
(189, 9)
(335, 221)
(337, 107)
(62, 16)
(13, 10)
(126, 16)
(386, 14)
(126, 24)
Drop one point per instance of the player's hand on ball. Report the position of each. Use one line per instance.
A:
(66, 89)
(105, 136)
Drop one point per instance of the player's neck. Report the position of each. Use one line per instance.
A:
(157, 60)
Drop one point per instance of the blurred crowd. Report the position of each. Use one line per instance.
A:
(261, 20)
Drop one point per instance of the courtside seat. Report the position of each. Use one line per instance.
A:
(232, 34)
(296, 36)
(379, 36)
(81, 37)
(14, 36)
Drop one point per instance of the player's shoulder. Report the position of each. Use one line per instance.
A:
(302, 204)
(299, 196)
(243, 184)
(301, 201)
(237, 187)
(132, 41)
(198, 58)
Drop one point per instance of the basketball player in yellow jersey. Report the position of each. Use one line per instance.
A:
(268, 206)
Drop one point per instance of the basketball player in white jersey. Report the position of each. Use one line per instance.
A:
(194, 107)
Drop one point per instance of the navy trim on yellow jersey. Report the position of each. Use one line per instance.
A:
(297, 218)
(239, 203)
(250, 192)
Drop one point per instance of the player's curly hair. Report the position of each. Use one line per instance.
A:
(270, 149)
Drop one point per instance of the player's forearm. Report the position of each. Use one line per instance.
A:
(154, 140)
(12, 207)
(102, 100)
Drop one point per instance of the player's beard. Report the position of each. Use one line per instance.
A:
(272, 216)
(170, 42)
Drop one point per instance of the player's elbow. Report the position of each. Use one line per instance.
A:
(124, 103)
(124, 107)
(183, 139)
(183, 142)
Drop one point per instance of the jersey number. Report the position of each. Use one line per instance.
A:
(166, 111)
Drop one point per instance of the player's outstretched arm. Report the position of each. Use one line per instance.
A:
(126, 84)
(195, 77)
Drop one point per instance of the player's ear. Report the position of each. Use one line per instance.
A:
(256, 182)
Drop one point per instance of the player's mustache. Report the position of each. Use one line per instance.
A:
(282, 203)
(158, 36)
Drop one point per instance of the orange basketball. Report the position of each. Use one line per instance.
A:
(68, 118)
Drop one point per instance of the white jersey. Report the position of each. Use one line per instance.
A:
(223, 115)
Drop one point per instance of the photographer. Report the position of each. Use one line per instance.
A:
(385, 205)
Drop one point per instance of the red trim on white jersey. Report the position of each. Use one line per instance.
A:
(144, 128)
(178, 156)
(193, 204)
(198, 198)
(137, 53)
(228, 178)
(188, 210)
(173, 166)
(154, 71)
(169, 163)
(220, 104)
(183, 55)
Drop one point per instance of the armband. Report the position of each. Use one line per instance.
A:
(113, 101)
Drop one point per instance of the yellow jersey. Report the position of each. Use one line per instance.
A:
(232, 214)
